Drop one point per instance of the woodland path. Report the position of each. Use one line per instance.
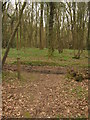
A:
(46, 93)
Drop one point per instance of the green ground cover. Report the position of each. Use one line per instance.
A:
(35, 56)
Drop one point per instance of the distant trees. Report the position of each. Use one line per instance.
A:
(79, 28)
(49, 25)
(13, 35)
(60, 18)
(5, 29)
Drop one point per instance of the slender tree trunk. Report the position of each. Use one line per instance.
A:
(12, 30)
(20, 25)
(58, 16)
(74, 25)
(13, 35)
(81, 29)
(88, 37)
(46, 26)
(41, 27)
(17, 28)
(71, 20)
(68, 32)
(58, 38)
(51, 46)
(0, 37)
(36, 28)
(31, 36)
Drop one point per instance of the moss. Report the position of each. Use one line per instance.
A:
(27, 115)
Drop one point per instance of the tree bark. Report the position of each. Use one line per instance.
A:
(0, 38)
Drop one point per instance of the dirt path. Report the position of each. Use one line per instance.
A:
(44, 95)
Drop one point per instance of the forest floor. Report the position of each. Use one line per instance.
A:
(43, 91)
(37, 57)
(45, 88)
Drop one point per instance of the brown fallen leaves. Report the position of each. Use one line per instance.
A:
(44, 95)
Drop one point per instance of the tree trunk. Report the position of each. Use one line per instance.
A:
(20, 26)
(58, 17)
(88, 37)
(46, 26)
(0, 37)
(13, 35)
(31, 39)
(51, 46)
(36, 28)
(74, 25)
(17, 28)
(41, 27)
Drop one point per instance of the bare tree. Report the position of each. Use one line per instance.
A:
(13, 35)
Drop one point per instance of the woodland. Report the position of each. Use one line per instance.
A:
(45, 61)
